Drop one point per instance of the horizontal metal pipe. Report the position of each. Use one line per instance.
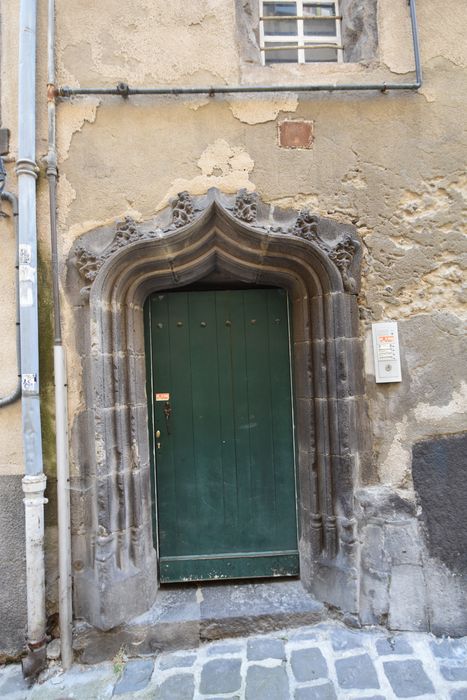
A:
(124, 90)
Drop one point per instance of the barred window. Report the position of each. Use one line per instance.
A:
(298, 31)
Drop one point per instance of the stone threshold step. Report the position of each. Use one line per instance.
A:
(185, 616)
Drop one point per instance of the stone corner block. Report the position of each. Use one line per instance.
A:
(407, 599)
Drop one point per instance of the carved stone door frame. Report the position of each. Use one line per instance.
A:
(318, 262)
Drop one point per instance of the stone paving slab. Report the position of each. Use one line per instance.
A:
(136, 676)
(408, 678)
(322, 662)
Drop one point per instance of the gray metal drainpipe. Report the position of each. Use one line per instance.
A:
(60, 374)
(34, 480)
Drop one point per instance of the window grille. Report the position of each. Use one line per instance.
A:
(298, 31)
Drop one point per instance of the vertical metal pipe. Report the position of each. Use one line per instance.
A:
(27, 173)
(61, 398)
(63, 498)
(34, 480)
(416, 44)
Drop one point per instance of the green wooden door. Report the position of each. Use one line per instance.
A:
(221, 399)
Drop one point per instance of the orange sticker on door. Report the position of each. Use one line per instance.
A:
(162, 397)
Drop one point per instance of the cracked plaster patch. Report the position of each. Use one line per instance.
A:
(395, 41)
(395, 46)
(223, 166)
(460, 186)
(66, 195)
(441, 34)
(428, 93)
(73, 115)
(395, 469)
(252, 110)
(426, 255)
(319, 205)
(119, 45)
(299, 201)
(75, 390)
(355, 178)
(443, 288)
(195, 104)
(415, 206)
(457, 406)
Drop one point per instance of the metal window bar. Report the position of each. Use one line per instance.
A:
(302, 46)
(313, 17)
(304, 41)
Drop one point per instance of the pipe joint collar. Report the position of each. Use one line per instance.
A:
(51, 162)
(25, 166)
(34, 484)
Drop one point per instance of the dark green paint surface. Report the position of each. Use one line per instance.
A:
(225, 479)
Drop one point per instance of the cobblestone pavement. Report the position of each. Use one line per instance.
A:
(323, 662)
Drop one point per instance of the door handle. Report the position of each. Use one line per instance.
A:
(158, 437)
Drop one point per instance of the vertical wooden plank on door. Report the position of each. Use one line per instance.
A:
(206, 422)
(150, 401)
(184, 513)
(224, 333)
(260, 418)
(166, 492)
(280, 389)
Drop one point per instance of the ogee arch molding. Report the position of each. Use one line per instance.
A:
(111, 272)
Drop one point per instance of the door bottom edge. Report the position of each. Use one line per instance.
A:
(186, 570)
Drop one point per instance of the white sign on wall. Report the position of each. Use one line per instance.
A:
(386, 352)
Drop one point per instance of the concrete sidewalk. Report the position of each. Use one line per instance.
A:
(321, 662)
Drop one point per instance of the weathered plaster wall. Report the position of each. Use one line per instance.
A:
(13, 569)
(392, 164)
(11, 457)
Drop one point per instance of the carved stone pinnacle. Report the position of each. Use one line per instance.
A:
(246, 206)
(306, 226)
(183, 210)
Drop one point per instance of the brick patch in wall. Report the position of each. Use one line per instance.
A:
(295, 133)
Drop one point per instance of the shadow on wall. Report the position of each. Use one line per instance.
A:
(13, 611)
(439, 469)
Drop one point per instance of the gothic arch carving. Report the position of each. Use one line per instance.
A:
(110, 274)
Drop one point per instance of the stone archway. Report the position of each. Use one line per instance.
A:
(317, 261)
